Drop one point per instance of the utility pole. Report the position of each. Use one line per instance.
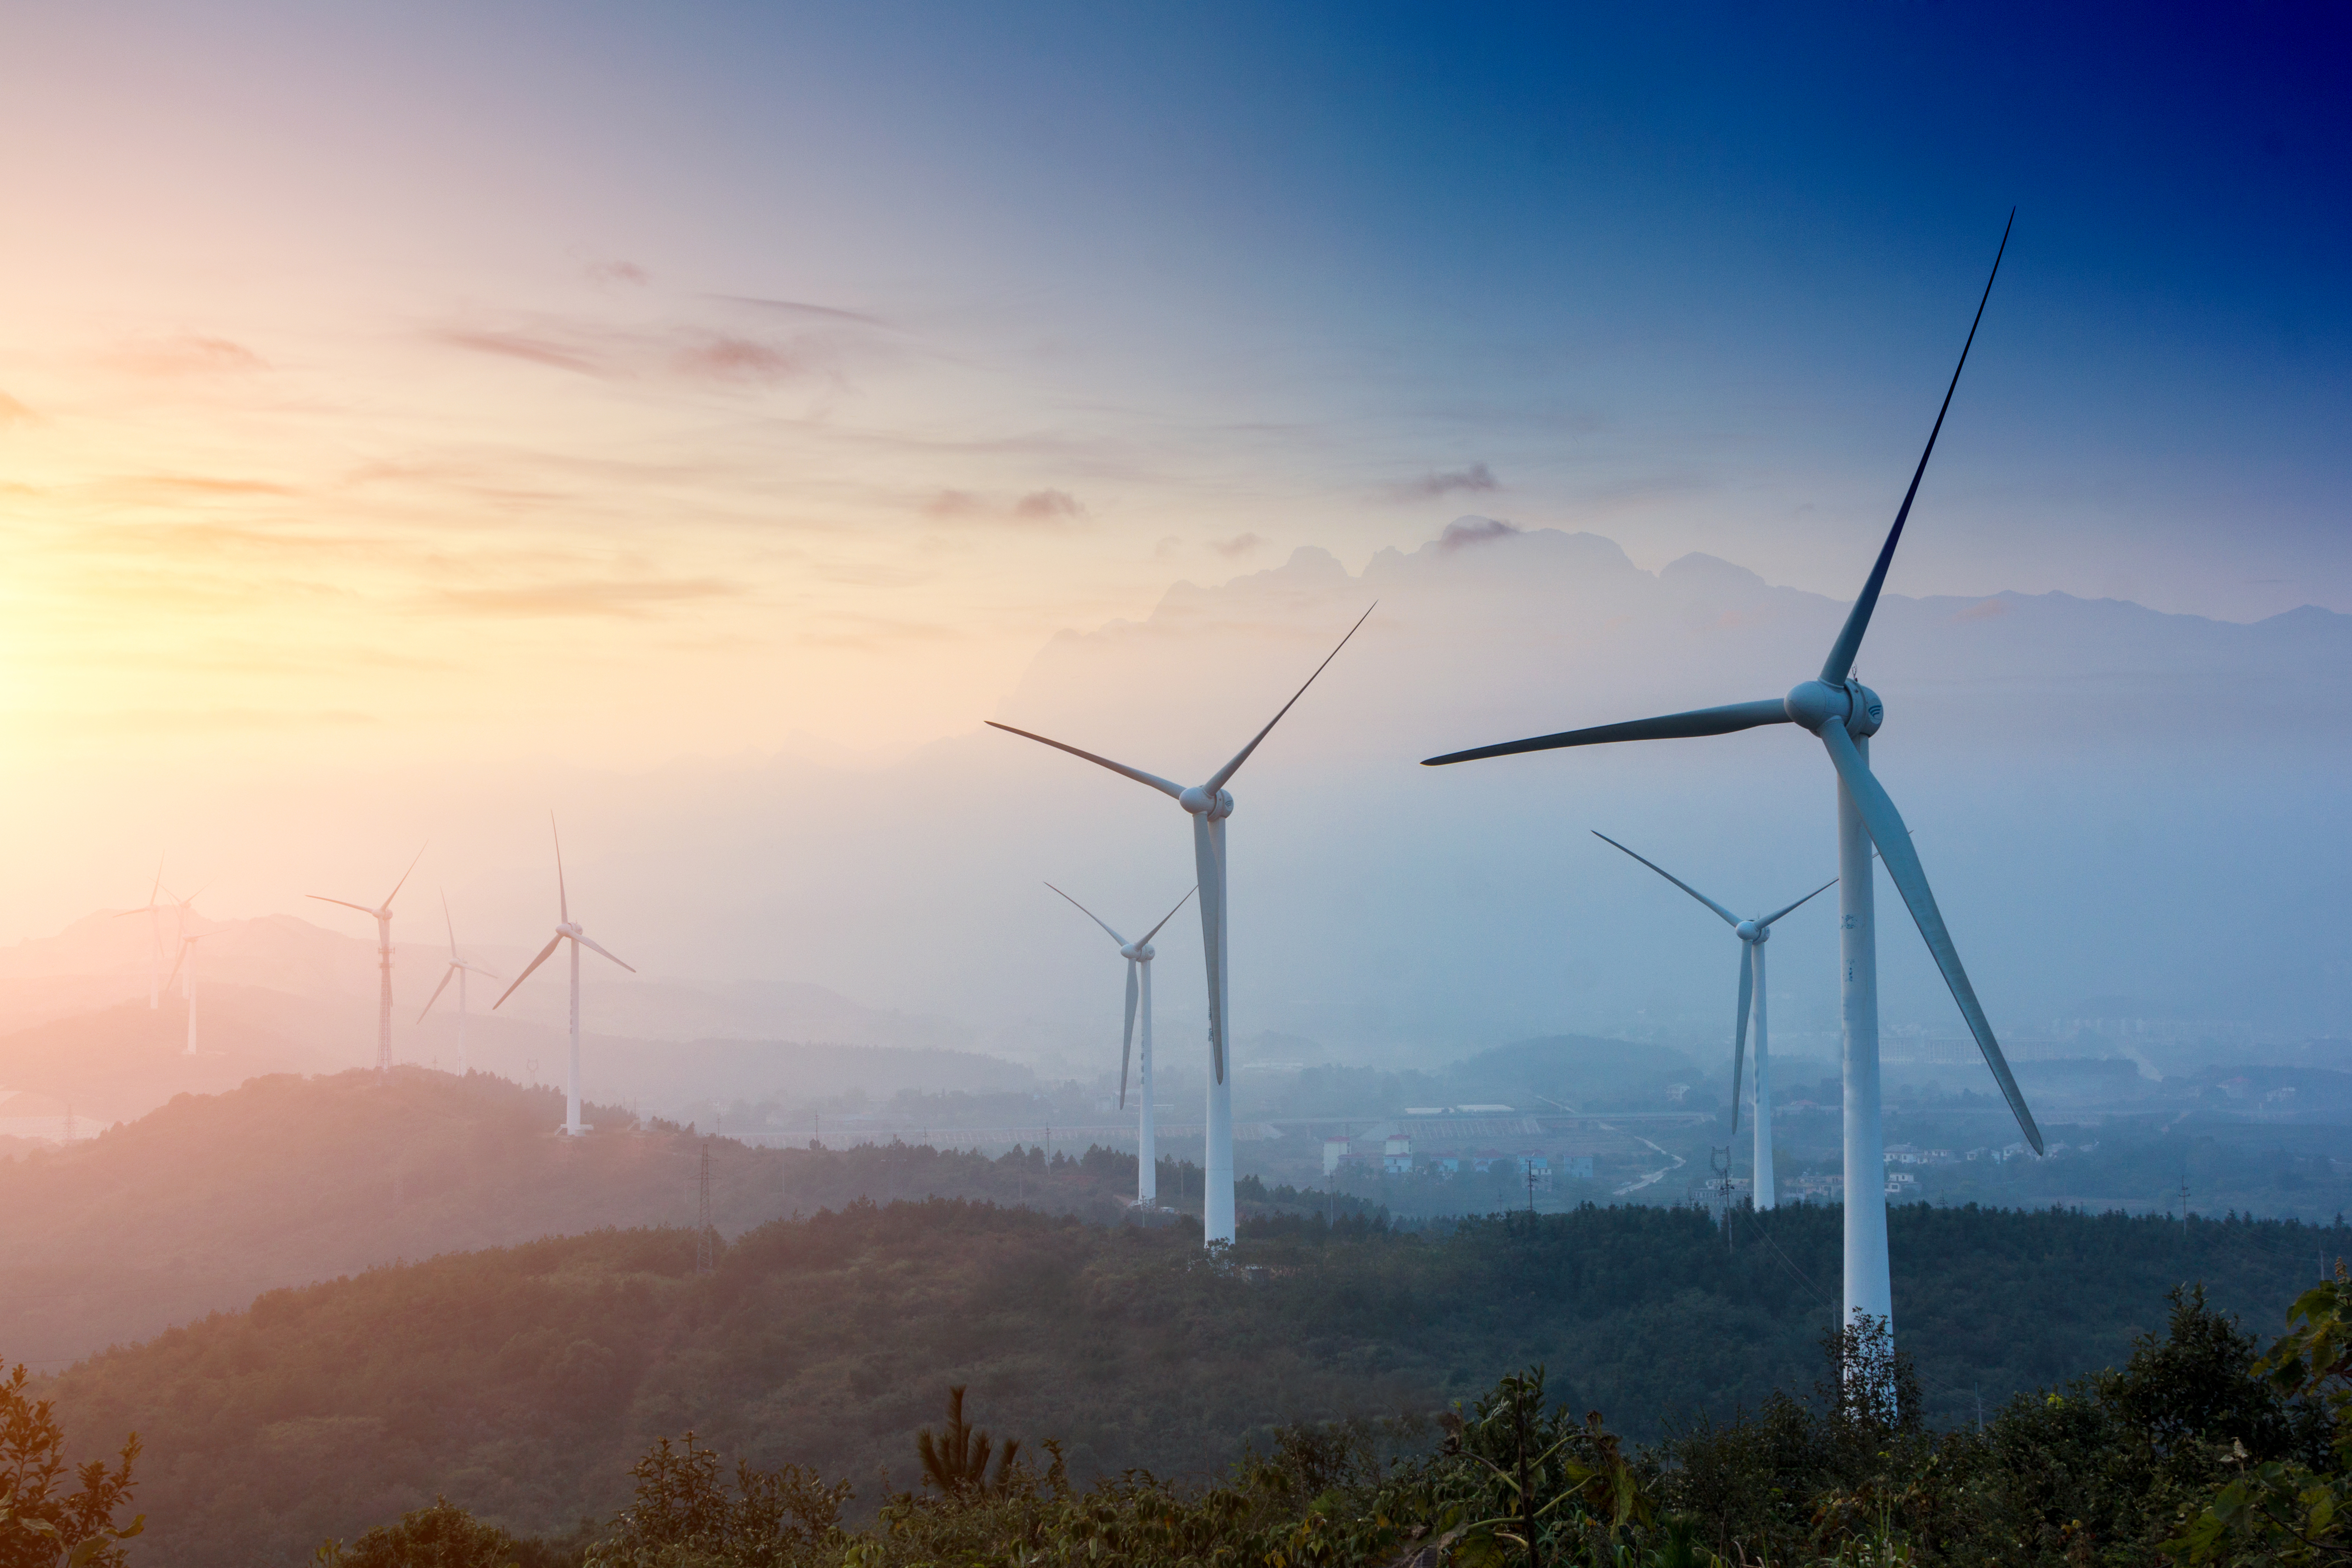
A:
(1723, 1186)
(702, 1234)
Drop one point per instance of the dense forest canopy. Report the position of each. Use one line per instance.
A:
(522, 1382)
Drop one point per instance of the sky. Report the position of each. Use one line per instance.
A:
(409, 412)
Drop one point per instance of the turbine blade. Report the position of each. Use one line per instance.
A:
(1728, 918)
(447, 921)
(324, 899)
(1213, 889)
(1166, 918)
(562, 898)
(1218, 780)
(1739, 1034)
(553, 943)
(1886, 830)
(186, 943)
(1838, 666)
(404, 876)
(159, 881)
(1127, 1041)
(1174, 792)
(1698, 722)
(437, 990)
(1092, 916)
(1800, 904)
(591, 947)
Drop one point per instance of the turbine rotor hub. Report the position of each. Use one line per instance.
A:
(567, 929)
(1813, 703)
(1750, 931)
(1197, 800)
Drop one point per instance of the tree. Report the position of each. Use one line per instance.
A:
(442, 1536)
(41, 1524)
(956, 1462)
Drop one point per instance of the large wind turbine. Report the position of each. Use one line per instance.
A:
(187, 945)
(460, 968)
(1209, 804)
(153, 910)
(382, 917)
(1139, 954)
(565, 930)
(1844, 714)
(1753, 934)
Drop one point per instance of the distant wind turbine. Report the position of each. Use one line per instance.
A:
(153, 910)
(1139, 954)
(460, 968)
(1209, 804)
(565, 930)
(187, 946)
(1844, 714)
(1753, 934)
(382, 914)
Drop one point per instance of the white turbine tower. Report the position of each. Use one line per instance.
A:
(459, 968)
(565, 930)
(1844, 714)
(1752, 934)
(1139, 954)
(1209, 804)
(153, 910)
(188, 991)
(382, 914)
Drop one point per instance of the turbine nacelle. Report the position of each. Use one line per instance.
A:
(1814, 703)
(566, 928)
(1750, 930)
(1139, 953)
(1217, 804)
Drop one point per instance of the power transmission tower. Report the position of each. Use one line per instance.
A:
(703, 1233)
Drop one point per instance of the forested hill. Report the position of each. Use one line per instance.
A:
(202, 1204)
(522, 1381)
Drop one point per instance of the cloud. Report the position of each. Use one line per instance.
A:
(1051, 507)
(188, 355)
(517, 346)
(719, 357)
(178, 485)
(13, 412)
(1238, 546)
(952, 503)
(627, 272)
(631, 599)
(1430, 486)
(800, 308)
(1465, 531)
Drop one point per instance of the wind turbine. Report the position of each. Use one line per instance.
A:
(1844, 714)
(1139, 954)
(153, 910)
(187, 945)
(1209, 804)
(1752, 934)
(460, 968)
(565, 930)
(382, 917)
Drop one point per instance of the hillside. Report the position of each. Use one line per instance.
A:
(522, 1381)
(212, 1199)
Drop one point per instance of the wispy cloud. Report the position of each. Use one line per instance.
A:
(1052, 508)
(1239, 545)
(802, 307)
(1477, 477)
(720, 357)
(1466, 531)
(624, 272)
(518, 346)
(626, 599)
(187, 355)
